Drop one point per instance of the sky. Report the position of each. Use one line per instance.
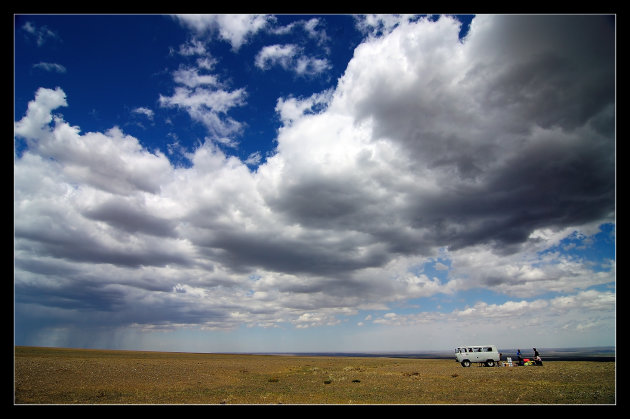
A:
(314, 183)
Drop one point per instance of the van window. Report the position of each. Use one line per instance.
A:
(489, 350)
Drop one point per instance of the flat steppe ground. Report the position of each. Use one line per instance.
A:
(82, 376)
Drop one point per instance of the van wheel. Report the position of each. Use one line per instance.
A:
(490, 363)
(465, 363)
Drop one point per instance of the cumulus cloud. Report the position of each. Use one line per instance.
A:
(374, 25)
(313, 27)
(208, 106)
(291, 109)
(190, 77)
(492, 161)
(309, 66)
(204, 97)
(289, 58)
(192, 47)
(488, 150)
(38, 114)
(234, 28)
(275, 55)
(570, 317)
(111, 161)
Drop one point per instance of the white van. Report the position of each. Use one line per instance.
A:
(487, 354)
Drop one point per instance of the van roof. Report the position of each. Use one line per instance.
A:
(474, 346)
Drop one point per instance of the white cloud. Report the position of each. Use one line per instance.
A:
(190, 77)
(228, 142)
(198, 99)
(41, 34)
(50, 67)
(377, 24)
(511, 324)
(206, 63)
(254, 158)
(38, 114)
(289, 58)
(276, 55)
(208, 107)
(193, 47)
(314, 27)
(525, 273)
(311, 27)
(234, 28)
(291, 109)
(309, 66)
(141, 110)
(441, 267)
(307, 320)
(204, 97)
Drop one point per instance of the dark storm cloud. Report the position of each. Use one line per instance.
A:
(514, 133)
(75, 295)
(83, 247)
(53, 267)
(560, 76)
(309, 254)
(131, 217)
(552, 183)
(330, 202)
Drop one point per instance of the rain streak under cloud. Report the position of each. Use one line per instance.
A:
(438, 179)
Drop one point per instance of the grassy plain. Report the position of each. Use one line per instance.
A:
(73, 376)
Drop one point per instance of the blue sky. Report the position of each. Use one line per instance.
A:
(289, 183)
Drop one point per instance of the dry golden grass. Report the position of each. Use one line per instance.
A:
(62, 376)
